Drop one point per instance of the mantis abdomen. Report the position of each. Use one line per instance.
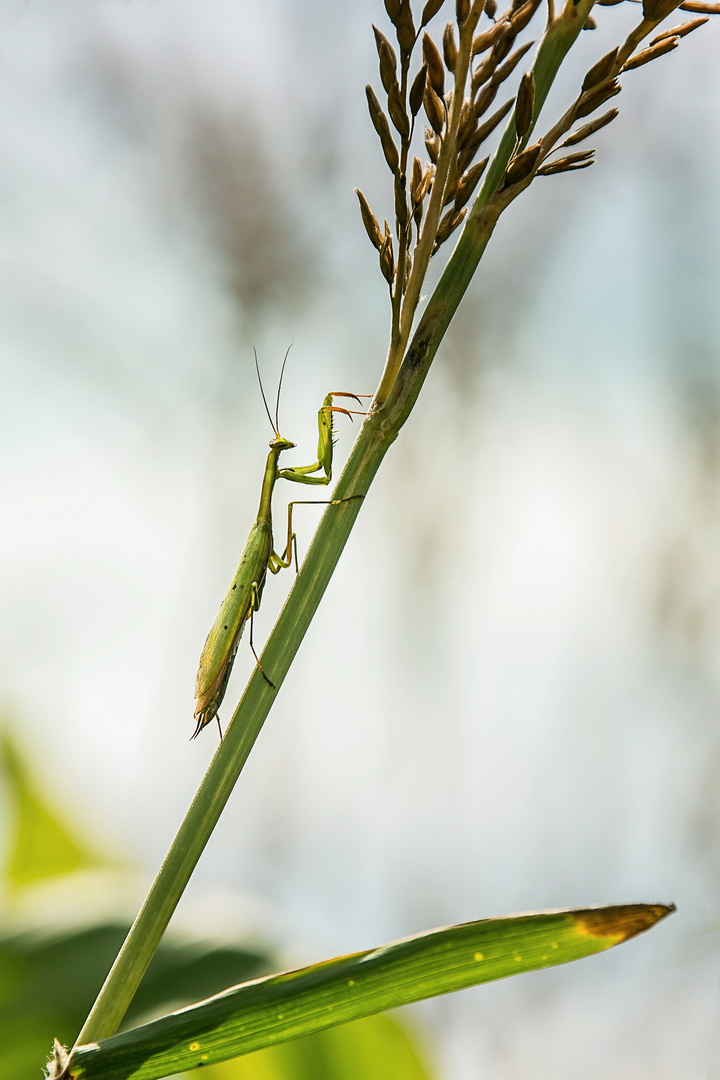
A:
(241, 599)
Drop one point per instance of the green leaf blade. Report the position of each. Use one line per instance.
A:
(287, 1006)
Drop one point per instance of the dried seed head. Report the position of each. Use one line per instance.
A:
(521, 166)
(434, 109)
(485, 98)
(503, 46)
(435, 66)
(482, 73)
(589, 129)
(388, 60)
(447, 226)
(524, 105)
(490, 8)
(665, 46)
(701, 7)
(393, 9)
(682, 30)
(573, 159)
(415, 180)
(398, 115)
(593, 99)
(589, 23)
(449, 48)
(469, 182)
(417, 90)
(523, 15)
(505, 70)
(657, 10)
(387, 261)
(430, 10)
(494, 119)
(490, 36)
(432, 144)
(383, 129)
(462, 10)
(600, 71)
(369, 221)
(466, 124)
(564, 165)
(405, 28)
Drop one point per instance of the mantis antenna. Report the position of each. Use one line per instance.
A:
(267, 410)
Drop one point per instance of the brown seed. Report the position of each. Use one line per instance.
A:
(405, 28)
(494, 119)
(589, 129)
(398, 115)
(490, 8)
(503, 46)
(593, 99)
(415, 180)
(383, 129)
(430, 10)
(388, 60)
(417, 90)
(608, 3)
(462, 10)
(434, 109)
(387, 261)
(700, 7)
(521, 166)
(369, 221)
(523, 15)
(402, 213)
(682, 30)
(482, 73)
(525, 104)
(432, 144)
(506, 69)
(589, 23)
(485, 99)
(447, 226)
(665, 46)
(600, 71)
(469, 182)
(490, 36)
(562, 166)
(435, 66)
(466, 134)
(449, 48)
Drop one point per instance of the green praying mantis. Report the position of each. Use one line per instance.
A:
(243, 597)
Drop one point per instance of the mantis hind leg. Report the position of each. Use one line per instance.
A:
(254, 605)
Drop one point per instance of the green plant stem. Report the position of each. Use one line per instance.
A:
(377, 434)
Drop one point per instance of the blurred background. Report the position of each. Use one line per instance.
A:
(510, 698)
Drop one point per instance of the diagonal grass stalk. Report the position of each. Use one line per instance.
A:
(400, 385)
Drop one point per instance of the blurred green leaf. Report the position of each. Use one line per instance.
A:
(43, 845)
(376, 1048)
(282, 1007)
(49, 982)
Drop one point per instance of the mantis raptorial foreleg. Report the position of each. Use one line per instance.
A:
(243, 597)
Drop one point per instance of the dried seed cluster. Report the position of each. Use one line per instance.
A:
(431, 89)
(454, 85)
(601, 82)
